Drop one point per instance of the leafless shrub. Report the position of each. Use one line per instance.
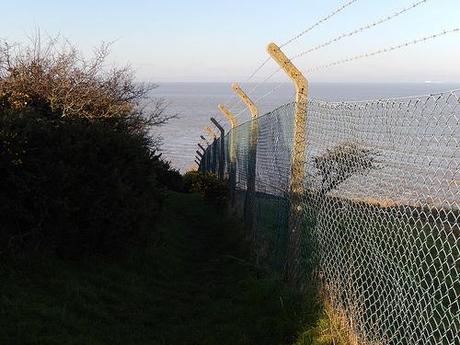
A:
(54, 76)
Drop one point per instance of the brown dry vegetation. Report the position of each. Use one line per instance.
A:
(52, 74)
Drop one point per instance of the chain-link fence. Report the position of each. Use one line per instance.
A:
(378, 219)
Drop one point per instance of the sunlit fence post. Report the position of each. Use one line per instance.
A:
(366, 195)
(363, 194)
(205, 140)
(297, 155)
(249, 205)
(232, 148)
(210, 132)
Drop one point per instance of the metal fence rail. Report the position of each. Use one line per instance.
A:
(378, 220)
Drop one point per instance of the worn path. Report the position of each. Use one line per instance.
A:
(192, 284)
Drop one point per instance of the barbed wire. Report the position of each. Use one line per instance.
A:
(264, 81)
(261, 98)
(345, 35)
(269, 92)
(332, 14)
(361, 29)
(361, 56)
(342, 36)
(383, 50)
(296, 37)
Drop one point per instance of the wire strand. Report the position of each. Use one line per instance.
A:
(349, 34)
(262, 97)
(361, 29)
(322, 20)
(361, 56)
(383, 50)
(296, 37)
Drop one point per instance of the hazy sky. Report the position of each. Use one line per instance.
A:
(223, 40)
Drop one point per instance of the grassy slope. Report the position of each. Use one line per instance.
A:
(190, 285)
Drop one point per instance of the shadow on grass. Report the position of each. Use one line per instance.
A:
(192, 283)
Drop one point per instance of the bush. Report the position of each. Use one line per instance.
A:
(76, 186)
(78, 170)
(50, 75)
(208, 185)
(192, 181)
(168, 176)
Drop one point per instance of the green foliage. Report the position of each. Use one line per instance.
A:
(192, 180)
(168, 176)
(208, 185)
(73, 185)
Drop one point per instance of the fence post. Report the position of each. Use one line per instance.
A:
(206, 140)
(246, 100)
(222, 148)
(214, 155)
(228, 115)
(212, 136)
(201, 147)
(209, 155)
(249, 205)
(205, 144)
(209, 162)
(202, 160)
(209, 159)
(210, 132)
(232, 137)
(297, 155)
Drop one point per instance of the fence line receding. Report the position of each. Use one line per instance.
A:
(378, 214)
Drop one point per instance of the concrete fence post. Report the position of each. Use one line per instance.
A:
(214, 156)
(250, 202)
(297, 155)
(232, 150)
(201, 147)
(205, 140)
(202, 160)
(209, 157)
(210, 132)
(221, 148)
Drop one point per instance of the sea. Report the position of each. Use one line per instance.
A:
(195, 103)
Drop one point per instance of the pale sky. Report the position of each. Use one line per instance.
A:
(222, 40)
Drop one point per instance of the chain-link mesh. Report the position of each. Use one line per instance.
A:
(379, 213)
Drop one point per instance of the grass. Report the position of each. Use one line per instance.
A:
(192, 283)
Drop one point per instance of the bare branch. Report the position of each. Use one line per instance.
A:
(53, 75)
